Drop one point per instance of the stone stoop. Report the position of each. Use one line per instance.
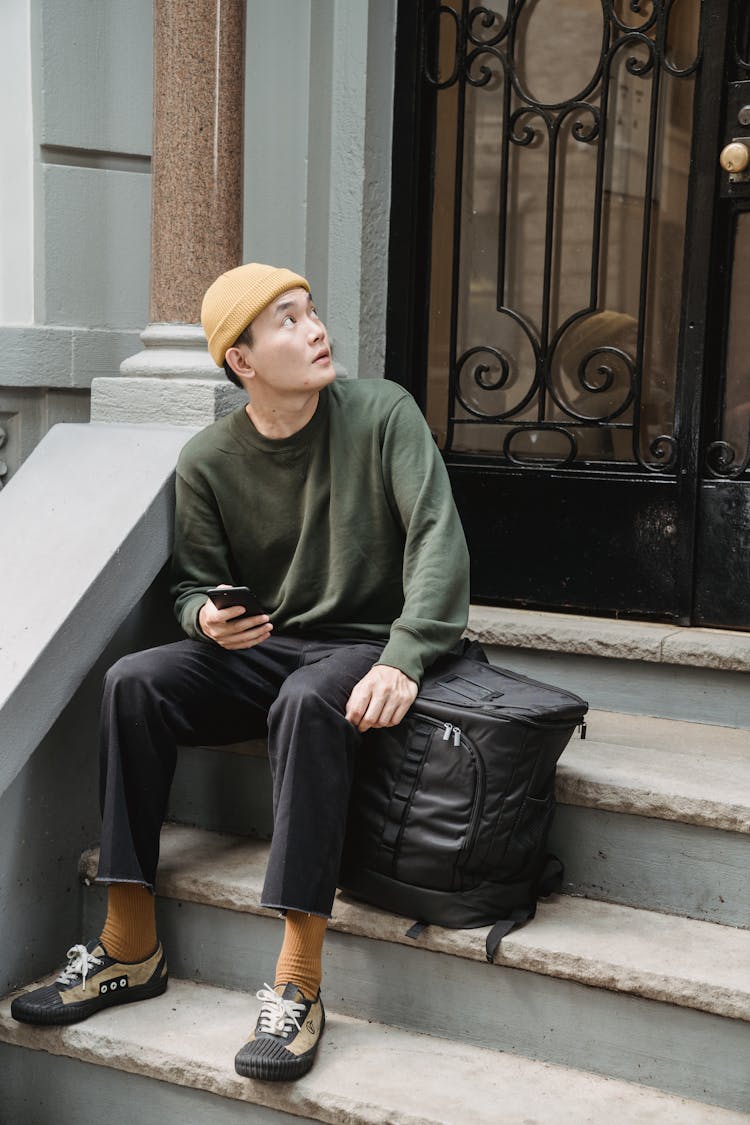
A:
(173, 1058)
(637, 667)
(627, 993)
(652, 812)
(655, 813)
(627, 996)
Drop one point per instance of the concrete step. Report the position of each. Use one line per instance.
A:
(653, 812)
(632, 666)
(628, 993)
(174, 1055)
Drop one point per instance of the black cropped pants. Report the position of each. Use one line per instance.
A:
(194, 693)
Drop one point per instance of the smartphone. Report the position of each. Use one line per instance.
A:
(226, 596)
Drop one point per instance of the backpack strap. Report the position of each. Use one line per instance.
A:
(416, 748)
(549, 883)
(551, 879)
(504, 926)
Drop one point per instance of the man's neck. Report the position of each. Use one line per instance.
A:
(282, 420)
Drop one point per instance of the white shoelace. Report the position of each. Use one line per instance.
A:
(80, 961)
(277, 1015)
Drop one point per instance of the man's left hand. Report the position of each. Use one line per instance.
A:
(381, 698)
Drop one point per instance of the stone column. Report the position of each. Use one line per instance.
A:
(196, 214)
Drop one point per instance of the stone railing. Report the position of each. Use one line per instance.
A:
(85, 527)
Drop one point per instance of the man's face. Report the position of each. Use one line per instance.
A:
(290, 353)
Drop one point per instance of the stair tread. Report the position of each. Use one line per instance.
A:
(693, 773)
(694, 964)
(722, 649)
(688, 772)
(366, 1073)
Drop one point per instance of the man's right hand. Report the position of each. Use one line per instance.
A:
(223, 626)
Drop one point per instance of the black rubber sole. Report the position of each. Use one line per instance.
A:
(275, 1070)
(280, 1069)
(75, 1013)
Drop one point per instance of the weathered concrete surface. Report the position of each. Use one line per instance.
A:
(599, 636)
(678, 960)
(687, 772)
(365, 1074)
(87, 525)
(191, 402)
(661, 768)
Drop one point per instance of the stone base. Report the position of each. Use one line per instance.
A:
(175, 402)
(173, 381)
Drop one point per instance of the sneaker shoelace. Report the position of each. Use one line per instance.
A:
(80, 961)
(277, 1015)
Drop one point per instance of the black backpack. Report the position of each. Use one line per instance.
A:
(451, 810)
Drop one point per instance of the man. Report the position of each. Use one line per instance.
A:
(330, 500)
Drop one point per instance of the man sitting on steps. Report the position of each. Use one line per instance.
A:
(330, 500)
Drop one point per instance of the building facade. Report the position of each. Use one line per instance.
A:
(520, 211)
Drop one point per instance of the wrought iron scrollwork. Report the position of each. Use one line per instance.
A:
(531, 432)
(638, 8)
(487, 18)
(664, 449)
(499, 362)
(604, 389)
(723, 461)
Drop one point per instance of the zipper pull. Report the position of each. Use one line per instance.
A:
(582, 725)
(447, 731)
(456, 736)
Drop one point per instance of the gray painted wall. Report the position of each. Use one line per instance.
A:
(317, 187)
(91, 140)
(50, 813)
(317, 159)
(92, 118)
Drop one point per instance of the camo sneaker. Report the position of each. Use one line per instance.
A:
(286, 1036)
(91, 980)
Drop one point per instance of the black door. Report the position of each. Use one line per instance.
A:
(569, 295)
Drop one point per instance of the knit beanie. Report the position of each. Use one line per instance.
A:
(234, 300)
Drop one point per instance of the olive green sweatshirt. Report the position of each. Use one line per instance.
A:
(346, 529)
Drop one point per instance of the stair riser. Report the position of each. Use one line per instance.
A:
(654, 864)
(694, 1054)
(38, 1088)
(640, 687)
(639, 861)
(223, 792)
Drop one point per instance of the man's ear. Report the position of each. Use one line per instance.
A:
(238, 361)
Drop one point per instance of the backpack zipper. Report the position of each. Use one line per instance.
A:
(454, 733)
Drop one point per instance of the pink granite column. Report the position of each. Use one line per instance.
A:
(196, 210)
(196, 216)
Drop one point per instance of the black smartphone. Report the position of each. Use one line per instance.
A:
(225, 596)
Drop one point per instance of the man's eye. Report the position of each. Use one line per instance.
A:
(314, 312)
(287, 320)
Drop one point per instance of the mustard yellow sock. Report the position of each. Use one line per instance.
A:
(129, 932)
(301, 957)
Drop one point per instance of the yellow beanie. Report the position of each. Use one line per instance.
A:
(234, 300)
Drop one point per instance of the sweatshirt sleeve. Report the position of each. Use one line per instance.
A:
(436, 558)
(201, 556)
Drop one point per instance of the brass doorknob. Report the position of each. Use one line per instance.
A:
(735, 157)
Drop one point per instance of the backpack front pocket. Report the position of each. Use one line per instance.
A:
(441, 817)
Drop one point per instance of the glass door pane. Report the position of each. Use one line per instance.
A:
(561, 161)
